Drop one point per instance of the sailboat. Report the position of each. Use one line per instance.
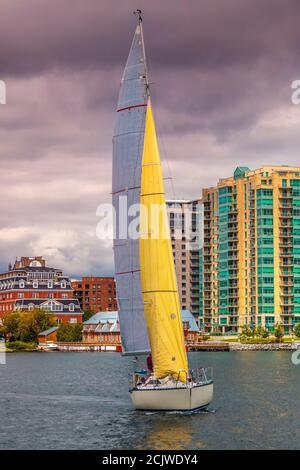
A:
(149, 307)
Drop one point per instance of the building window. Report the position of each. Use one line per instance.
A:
(63, 284)
(50, 284)
(35, 284)
(56, 307)
(71, 307)
(73, 320)
(21, 284)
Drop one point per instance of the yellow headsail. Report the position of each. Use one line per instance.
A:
(158, 278)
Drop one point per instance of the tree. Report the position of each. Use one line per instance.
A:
(10, 326)
(246, 331)
(87, 314)
(297, 330)
(26, 325)
(69, 333)
(278, 332)
(261, 332)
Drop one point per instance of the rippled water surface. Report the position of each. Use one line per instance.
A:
(81, 401)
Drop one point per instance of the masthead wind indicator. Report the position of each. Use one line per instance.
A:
(138, 13)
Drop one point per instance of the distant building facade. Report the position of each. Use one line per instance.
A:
(251, 252)
(30, 284)
(104, 328)
(96, 293)
(185, 219)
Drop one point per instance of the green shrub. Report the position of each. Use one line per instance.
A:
(204, 337)
(278, 332)
(246, 332)
(257, 340)
(261, 332)
(69, 333)
(297, 330)
(19, 345)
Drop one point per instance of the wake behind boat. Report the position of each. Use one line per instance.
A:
(149, 307)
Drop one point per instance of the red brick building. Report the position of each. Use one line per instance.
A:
(103, 329)
(31, 284)
(96, 294)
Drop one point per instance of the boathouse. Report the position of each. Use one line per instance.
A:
(48, 335)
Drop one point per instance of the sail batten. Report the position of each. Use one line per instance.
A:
(128, 144)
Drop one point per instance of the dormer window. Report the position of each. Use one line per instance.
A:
(35, 284)
(21, 284)
(63, 284)
(71, 307)
(55, 307)
(50, 284)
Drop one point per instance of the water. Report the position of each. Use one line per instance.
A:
(80, 401)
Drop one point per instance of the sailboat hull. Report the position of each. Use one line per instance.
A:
(171, 399)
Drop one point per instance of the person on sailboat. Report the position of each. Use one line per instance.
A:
(150, 363)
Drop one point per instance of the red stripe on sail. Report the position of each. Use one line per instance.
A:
(128, 272)
(125, 189)
(131, 107)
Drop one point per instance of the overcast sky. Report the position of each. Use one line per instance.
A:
(221, 74)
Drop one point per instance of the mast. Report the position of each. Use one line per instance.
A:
(128, 144)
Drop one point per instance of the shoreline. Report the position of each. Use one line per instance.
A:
(265, 346)
(200, 347)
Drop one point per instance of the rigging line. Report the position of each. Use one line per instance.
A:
(165, 154)
(160, 134)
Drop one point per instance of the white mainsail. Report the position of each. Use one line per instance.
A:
(128, 145)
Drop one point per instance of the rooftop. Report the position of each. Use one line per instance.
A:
(49, 331)
(102, 317)
(112, 317)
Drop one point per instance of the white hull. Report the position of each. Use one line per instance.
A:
(168, 399)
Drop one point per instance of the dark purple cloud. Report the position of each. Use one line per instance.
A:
(221, 73)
